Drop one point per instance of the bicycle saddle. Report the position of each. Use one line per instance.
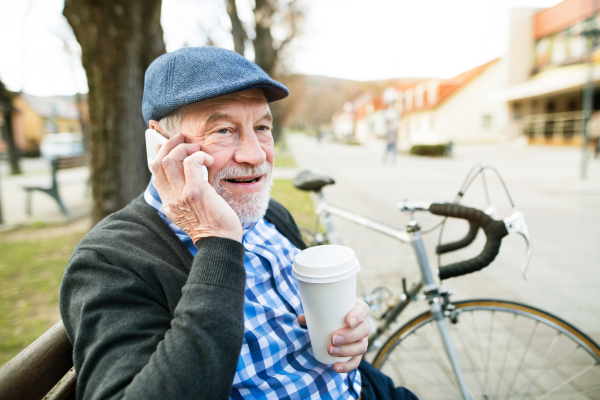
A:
(312, 180)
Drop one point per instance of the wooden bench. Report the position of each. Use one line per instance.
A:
(44, 370)
(57, 164)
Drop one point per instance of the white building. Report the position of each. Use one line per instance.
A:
(546, 72)
(459, 109)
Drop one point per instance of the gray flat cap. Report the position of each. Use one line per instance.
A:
(193, 74)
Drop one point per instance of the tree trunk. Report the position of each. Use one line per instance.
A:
(7, 109)
(119, 39)
(237, 29)
(265, 53)
(9, 139)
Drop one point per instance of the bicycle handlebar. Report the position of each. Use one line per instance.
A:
(464, 242)
(494, 232)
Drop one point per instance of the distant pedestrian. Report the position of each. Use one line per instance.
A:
(391, 140)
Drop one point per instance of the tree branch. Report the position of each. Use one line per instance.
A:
(237, 28)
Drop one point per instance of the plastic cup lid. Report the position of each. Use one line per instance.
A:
(323, 264)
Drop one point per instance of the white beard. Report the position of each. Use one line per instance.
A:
(249, 207)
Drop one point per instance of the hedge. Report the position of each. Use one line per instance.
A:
(431, 150)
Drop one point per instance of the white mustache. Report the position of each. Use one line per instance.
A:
(240, 171)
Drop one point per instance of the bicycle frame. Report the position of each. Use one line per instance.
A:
(411, 235)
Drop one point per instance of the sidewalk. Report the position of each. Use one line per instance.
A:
(72, 184)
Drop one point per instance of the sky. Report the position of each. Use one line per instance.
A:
(351, 39)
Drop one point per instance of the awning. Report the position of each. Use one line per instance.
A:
(555, 81)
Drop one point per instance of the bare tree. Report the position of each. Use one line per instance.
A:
(119, 39)
(269, 51)
(237, 28)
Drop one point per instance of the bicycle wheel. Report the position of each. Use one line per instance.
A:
(505, 350)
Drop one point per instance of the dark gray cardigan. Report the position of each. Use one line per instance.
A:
(149, 321)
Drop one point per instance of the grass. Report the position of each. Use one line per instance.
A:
(31, 269)
(296, 201)
(283, 156)
(32, 264)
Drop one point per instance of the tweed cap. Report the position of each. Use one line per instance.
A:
(193, 74)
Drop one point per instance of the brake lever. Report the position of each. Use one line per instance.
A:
(516, 224)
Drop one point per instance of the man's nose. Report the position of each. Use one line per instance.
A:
(249, 150)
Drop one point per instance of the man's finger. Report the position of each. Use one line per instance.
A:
(348, 365)
(350, 335)
(160, 179)
(192, 169)
(357, 314)
(349, 350)
(169, 145)
(173, 164)
(302, 320)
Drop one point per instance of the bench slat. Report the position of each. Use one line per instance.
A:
(70, 162)
(37, 369)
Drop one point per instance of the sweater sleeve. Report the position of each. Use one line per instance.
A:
(128, 345)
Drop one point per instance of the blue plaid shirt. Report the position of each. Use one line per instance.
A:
(276, 361)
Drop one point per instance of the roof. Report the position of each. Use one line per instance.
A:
(561, 16)
(447, 87)
(53, 106)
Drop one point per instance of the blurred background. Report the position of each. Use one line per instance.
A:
(394, 99)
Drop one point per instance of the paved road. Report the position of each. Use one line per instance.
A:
(562, 212)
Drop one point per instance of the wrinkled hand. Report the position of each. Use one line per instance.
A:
(351, 341)
(189, 200)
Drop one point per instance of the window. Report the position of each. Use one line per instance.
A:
(419, 96)
(409, 99)
(517, 111)
(487, 121)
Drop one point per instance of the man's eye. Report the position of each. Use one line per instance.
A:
(224, 130)
(263, 128)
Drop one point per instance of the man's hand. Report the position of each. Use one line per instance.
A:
(189, 200)
(351, 341)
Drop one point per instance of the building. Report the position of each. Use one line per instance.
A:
(35, 116)
(546, 72)
(459, 109)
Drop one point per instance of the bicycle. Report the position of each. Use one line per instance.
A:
(472, 349)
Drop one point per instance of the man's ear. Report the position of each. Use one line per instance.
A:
(155, 125)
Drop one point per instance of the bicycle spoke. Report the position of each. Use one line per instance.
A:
(440, 387)
(512, 384)
(479, 346)
(489, 357)
(468, 354)
(567, 381)
(546, 357)
(585, 391)
(421, 363)
(553, 367)
(506, 351)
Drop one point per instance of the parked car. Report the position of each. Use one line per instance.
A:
(55, 145)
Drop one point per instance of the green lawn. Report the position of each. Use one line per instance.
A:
(296, 201)
(31, 269)
(283, 156)
(32, 263)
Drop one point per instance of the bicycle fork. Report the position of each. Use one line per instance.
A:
(433, 295)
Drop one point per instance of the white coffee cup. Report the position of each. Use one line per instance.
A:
(326, 278)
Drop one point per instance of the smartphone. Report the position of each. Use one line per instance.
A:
(152, 139)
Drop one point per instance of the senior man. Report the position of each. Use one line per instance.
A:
(187, 292)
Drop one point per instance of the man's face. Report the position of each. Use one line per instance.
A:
(236, 130)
